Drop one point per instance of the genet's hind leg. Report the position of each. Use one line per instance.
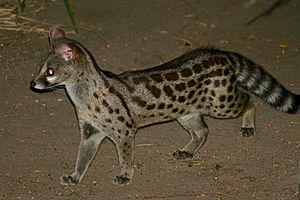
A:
(198, 130)
(248, 126)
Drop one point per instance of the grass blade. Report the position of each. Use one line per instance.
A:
(71, 15)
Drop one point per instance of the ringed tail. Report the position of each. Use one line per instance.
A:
(254, 79)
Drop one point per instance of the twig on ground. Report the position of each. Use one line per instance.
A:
(269, 11)
(187, 42)
(142, 145)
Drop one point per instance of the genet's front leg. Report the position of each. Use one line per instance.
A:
(90, 141)
(125, 148)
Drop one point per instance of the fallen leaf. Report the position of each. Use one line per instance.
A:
(284, 46)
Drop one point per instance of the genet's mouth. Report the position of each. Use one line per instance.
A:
(41, 88)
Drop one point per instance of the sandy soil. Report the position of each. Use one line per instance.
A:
(39, 134)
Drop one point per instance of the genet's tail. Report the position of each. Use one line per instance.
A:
(254, 79)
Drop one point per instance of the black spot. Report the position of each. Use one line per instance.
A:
(219, 72)
(97, 109)
(232, 105)
(180, 87)
(224, 82)
(170, 106)
(96, 95)
(216, 83)
(205, 90)
(161, 106)
(157, 77)
(213, 93)
(191, 94)
(213, 73)
(182, 111)
(191, 83)
(203, 99)
(229, 98)
(117, 111)
(121, 118)
(207, 82)
(223, 61)
(194, 101)
(222, 106)
(197, 68)
(129, 125)
(236, 97)
(226, 71)
(222, 98)
(208, 63)
(201, 78)
(175, 110)
(108, 120)
(168, 90)
(154, 90)
(172, 76)
(141, 79)
(199, 85)
(104, 103)
(88, 130)
(181, 99)
(186, 72)
(230, 88)
(150, 107)
(232, 79)
(139, 101)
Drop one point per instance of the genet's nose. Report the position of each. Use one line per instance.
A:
(32, 84)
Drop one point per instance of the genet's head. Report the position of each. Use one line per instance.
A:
(62, 63)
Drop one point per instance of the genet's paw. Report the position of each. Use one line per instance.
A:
(122, 180)
(180, 155)
(69, 179)
(247, 132)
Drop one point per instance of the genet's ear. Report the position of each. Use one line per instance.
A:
(55, 33)
(66, 52)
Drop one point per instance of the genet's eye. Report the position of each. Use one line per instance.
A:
(50, 72)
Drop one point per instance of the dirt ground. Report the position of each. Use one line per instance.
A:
(39, 135)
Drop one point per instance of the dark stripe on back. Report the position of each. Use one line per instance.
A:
(120, 96)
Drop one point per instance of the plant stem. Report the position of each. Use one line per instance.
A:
(70, 12)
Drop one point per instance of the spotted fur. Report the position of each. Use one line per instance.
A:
(204, 82)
